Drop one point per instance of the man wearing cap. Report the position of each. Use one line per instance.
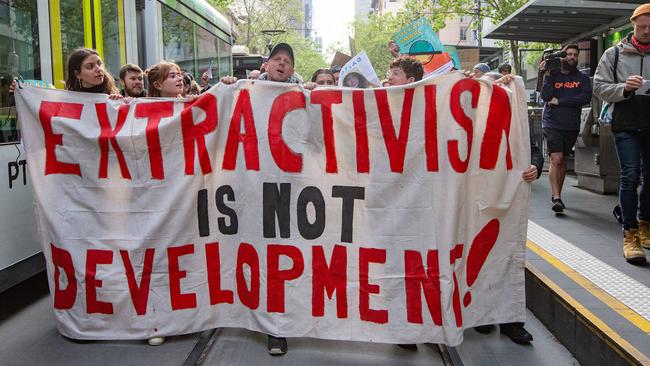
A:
(622, 71)
(565, 92)
(279, 68)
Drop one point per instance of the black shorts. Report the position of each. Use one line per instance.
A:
(560, 140)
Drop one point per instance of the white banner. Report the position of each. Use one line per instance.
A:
(378, 215)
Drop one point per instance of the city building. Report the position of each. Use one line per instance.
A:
(363, 8)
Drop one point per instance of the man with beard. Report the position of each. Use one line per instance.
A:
(131, 77)
(565, 92)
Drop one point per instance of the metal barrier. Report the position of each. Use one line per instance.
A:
(535, 126)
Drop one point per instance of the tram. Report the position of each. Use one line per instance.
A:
(36, 37)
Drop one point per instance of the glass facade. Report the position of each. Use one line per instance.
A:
(206, 48)
(193, 47)
(19, 57)
(178, 39)
(110, 33)
(72, 29)
(225, 59)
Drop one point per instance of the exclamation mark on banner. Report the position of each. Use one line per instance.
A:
(478, 253)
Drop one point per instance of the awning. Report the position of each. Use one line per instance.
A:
(559, 21)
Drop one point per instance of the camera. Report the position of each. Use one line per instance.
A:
(553, 60)
(553, 64)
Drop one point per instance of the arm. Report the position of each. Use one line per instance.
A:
(536, 158)
(547, 88)
(604, 86)
(537, 163)
(583, 97)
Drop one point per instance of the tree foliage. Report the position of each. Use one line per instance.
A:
(281, 15)
(221, 5)
(372, 36)
(260, 15)
(307, 58)
(437, 12)
(373, 33)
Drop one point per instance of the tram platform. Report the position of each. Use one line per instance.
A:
(578, 283)
(587, 306)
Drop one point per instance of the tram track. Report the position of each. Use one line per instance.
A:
(449, 355)
(208, 338)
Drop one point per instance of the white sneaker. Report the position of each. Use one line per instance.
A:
(156, 341)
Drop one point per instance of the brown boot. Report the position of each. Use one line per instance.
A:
(631, 248)
(644, 233)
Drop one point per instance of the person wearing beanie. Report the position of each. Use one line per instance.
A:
(480, 70)
(622, 71)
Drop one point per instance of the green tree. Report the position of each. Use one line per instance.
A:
(221, 5)
(437, 12)
(281, 15)
(372, 36)
(373, 33)
(260, 15)
(307, 58)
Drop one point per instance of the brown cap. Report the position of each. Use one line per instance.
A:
(641, 10)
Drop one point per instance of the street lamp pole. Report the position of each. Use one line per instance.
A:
(272, 33)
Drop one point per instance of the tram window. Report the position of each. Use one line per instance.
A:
(19, 55)
(4, 12)
(72, 28)
(206, 46)
(111, 36)
(225, 67)
(178, 45)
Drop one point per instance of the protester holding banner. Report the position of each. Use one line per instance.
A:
(505, 69)
(131, 77)
(165, 80)
(279, 68)
(86, 73)
(480, 70)
(323, 77)
(516, 331)
(254, 75)
(404, 70)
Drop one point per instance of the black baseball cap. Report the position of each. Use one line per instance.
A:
(283, 47)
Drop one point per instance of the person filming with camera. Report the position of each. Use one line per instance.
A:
(565, 90)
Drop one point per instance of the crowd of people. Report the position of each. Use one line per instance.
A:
(622, 70)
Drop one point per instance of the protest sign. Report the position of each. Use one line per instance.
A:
(358, 73)
(419, 41)
(372, 215)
